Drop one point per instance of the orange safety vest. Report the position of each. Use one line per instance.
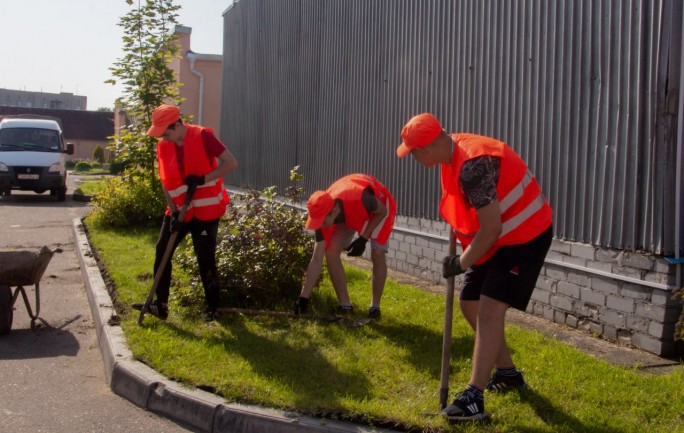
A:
(525, 212)
(210, 200)
(349, 189)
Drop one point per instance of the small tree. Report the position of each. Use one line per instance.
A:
(148, 45)
(98, 154)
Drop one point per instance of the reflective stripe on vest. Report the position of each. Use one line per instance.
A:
(184, 188)
(511, 198)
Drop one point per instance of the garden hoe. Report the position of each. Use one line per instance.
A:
(167, 256)
(446, 338)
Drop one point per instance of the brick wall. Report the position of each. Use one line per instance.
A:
(621, 296)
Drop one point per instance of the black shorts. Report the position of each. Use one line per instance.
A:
(510, 275)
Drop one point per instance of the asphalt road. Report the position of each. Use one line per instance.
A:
(52, 377)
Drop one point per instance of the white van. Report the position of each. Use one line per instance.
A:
(32, 155)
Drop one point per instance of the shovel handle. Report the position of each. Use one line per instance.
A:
(446, 338)
(166, 256)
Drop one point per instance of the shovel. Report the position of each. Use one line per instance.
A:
(166, 257)
(446, 339)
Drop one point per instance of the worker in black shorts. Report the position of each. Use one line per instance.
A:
(504, 223)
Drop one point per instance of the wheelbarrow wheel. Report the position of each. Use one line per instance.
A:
(6, 313)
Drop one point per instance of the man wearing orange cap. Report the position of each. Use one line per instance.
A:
(189, 156)
(356, 203)
(504, 224)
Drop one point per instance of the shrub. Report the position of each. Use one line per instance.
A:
(679, 327)
(82, 166)
(69, 165)
(263, 251)
(98, 154)
(129, 200)
(117, 166)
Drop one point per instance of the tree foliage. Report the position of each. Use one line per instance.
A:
(149, 44)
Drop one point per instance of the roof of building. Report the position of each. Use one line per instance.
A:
(76, 124)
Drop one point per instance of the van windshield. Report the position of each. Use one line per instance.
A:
(34, 139)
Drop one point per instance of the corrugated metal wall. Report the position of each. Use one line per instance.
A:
(585, 90)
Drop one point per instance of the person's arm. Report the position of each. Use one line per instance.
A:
(489, 217)
(376, 218)
(478, 180)
(227, 163)
(313, 271)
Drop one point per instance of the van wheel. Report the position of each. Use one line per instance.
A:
(61, 194)
(6, 313)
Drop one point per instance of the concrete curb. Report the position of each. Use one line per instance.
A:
(149, 390)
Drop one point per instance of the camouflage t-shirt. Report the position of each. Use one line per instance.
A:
(478, 179)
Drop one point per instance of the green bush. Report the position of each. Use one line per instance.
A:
(82, 166)
(679, 327)
(117, 166)
(263, 251)
(69, 165)
(129, 200)
(98, 154)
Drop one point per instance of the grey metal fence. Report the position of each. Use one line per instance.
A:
(585, 90)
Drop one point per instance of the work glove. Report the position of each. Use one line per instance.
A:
(357, 247)
(451, 266)
(175, 225)
(194, 181)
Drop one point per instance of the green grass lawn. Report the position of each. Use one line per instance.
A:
(386, 372)
(92, 186)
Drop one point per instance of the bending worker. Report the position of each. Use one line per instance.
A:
(356, 203)
(503, 221)
(189, 156)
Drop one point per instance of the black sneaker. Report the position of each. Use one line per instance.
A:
(344, 310)
(500, 382)
(301, 305)
(374, 313)
(211, 315)
(156, 309)
(466, 407)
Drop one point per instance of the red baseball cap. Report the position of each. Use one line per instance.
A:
(162, 117)
(419, 131)
(319, 205)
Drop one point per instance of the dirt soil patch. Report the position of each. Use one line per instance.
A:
(623, 356)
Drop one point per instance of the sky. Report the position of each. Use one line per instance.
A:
(68, 46)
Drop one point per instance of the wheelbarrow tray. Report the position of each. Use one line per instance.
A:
(23, 268)
(19, 269)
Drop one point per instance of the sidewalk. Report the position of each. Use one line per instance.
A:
(147, 389)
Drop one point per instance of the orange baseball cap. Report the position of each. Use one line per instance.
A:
(162, 117)
(420, 131)
(319, 205)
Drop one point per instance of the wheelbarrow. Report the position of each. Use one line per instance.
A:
(20, 269)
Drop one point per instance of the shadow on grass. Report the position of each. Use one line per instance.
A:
(424, 346)
(275, 358)
(556, 418)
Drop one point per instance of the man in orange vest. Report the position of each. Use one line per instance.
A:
(356, 203)
(189, 156)
(504, 224)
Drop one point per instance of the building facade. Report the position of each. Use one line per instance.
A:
(52, 101)
(201, 78)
